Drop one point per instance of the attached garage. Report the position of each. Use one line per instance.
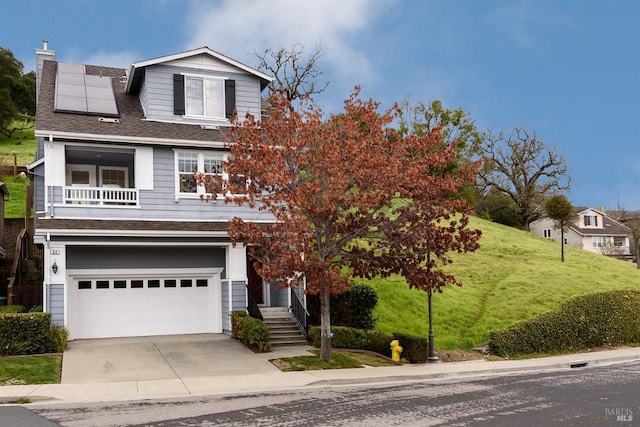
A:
(132, 302)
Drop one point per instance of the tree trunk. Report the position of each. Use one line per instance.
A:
(325, 326)
(562, 241)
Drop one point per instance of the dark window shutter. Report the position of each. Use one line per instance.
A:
(178, 94)
(229, 97)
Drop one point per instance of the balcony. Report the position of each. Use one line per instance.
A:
(109, 196)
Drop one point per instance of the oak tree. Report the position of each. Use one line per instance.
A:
(350, 198)
(525, 169)
(559, 209)
(296, 75)
(17, 95)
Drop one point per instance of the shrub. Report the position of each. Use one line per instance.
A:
(361, 300)
(11, 309)
(591, 320)
(58, 337)
(236, 318)
(27, 332)
(414, 349)
(36, 309)
(353, 308)
(251, 332)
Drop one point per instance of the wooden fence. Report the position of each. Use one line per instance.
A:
(27, 295)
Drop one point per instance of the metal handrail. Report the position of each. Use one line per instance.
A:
(252, 306)
(300, 312)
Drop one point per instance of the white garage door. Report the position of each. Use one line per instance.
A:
(139, 304)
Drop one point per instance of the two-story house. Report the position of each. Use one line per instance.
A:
(591, 230)
(129, 247)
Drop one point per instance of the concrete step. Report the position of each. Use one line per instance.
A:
(277, 342)
(284, 328)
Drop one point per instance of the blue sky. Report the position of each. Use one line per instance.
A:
(570, 69)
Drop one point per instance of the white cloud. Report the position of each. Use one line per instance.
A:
(238, 29)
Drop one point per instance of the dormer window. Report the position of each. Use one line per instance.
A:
(590, 221)
(204, 97)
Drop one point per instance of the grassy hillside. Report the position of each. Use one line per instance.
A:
(513, 276)
(25, 150)
(25, 153)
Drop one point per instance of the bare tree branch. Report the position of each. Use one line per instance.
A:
(296, 75)
(525, 169)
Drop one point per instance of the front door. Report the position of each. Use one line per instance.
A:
(255, 282)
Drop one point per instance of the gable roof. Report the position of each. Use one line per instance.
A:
(132, 126)
(610, 227)
(136, 71)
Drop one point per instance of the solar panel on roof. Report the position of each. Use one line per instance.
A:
(77, 92)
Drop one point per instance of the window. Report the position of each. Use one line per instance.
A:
(187, 165)
(209, 164)
(119, 284)
(204, 97)
(619, 241)
(153, 283)
(84, 284)
(590, 221)
(170, 283)
(136, 284)
(81, 175)
(102, 284)
(547, 233)
(112, 176)
(599, 242)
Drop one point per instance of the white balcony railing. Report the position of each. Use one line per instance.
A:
(112, 196)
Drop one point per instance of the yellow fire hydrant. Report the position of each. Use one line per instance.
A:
(395, 350)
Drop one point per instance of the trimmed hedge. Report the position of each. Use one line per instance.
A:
(584, 321)
(251, 332)
(414, 349)
(25, 333)
(353, 308)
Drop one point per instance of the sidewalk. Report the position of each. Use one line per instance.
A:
(230, 384)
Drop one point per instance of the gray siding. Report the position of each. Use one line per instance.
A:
(157, 95)
(91, 257)
(160, 203)
(279, 297)
(39, 188)
(55, 303)
(226, 313)
(239, 300)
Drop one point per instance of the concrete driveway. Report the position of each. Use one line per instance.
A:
(158, 358)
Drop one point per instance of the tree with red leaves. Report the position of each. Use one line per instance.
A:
(350, 198)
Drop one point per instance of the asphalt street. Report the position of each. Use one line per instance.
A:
(595, 396)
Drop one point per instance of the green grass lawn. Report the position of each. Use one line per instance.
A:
(339, 360)
(25, 153)
(23, 145)
(514, 276)
(17, 370)
(16, 203)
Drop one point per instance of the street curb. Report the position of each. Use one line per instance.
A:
(577, 364)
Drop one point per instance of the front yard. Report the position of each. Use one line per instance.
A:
(40, 369)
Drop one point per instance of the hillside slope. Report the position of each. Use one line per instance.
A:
(513, 276)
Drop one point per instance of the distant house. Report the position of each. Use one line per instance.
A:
(592, 230)
(129, 247)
